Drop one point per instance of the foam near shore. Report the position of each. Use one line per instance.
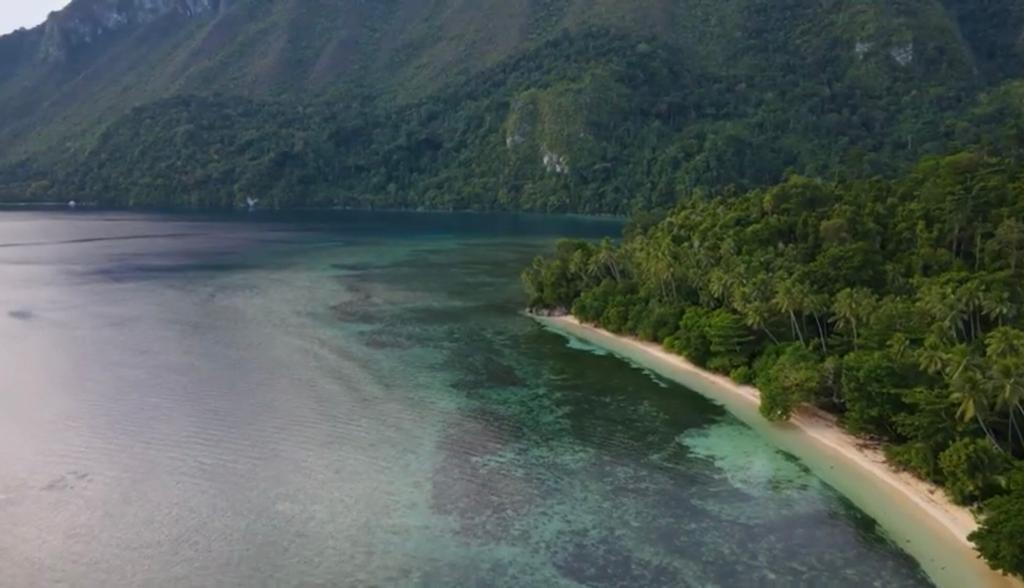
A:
(916, 514)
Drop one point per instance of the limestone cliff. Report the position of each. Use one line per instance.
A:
(84, 21)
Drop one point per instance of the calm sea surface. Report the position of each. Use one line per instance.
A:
(354, 400)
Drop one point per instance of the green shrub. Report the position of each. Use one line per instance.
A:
(658, 321)
(872, 386)
(974, 470)
(1000, 536)
(917, 457)
(796, 377)
(691, 339)
(742, 375)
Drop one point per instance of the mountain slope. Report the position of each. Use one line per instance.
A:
(97, 57)
(547, 104)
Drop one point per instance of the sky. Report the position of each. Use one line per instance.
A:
(15, 14)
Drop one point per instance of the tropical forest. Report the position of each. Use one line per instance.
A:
(895, 304)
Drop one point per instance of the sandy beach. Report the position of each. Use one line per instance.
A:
(915, 513)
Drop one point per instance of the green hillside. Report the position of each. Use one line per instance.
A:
(581, 105)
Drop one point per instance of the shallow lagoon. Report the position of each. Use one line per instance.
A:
(353, 399)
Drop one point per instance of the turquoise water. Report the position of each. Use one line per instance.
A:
(353, 399)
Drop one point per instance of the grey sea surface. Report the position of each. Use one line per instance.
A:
(354, 399)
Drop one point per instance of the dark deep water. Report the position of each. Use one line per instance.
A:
(353, 400)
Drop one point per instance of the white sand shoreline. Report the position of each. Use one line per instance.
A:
(932, 505)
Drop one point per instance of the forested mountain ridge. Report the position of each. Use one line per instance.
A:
(562, 105)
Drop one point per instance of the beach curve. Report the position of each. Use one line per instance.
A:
(915, 513)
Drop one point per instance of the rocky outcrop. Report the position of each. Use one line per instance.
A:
(558, 311)
(861, 48)
(903, 55)
(553, 162)
(84, 21)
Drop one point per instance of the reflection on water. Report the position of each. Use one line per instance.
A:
(352, 399)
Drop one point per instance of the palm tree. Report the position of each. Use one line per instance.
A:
(970, 296)
(997, 307)
(580, 266)
(657, 266)
(818, 305)
(1004, 343)
(964, 376)
(607, 257)
(933, 359)
(755, 315)
(942, 305)
(749, 298)
(851, 307)
(1009, 242)
(1006, 382)
(720, 283)
(970, 391)
(898, 345)
(790, 299)
(1004, 348)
